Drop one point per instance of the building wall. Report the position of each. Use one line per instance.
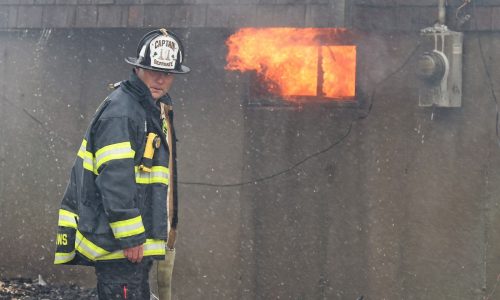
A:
(387, 200)
(413, 15)
(169, 13)
(52, 82)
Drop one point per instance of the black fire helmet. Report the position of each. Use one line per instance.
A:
(160, 50)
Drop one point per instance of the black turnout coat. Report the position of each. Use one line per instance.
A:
(110, 203)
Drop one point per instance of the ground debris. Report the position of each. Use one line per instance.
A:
(29, 289)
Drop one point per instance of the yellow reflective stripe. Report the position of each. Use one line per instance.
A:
(87, 157)
(103, 155)
(91, 251)
(126, 228)
(87, 248)
(112, 255)
(158, 174)
(67, 218)
(61, 257)
(154, 247)
(94, 252)
(83, 148)
(88, 164)
(140, 176)
(113, 151)
(151, 247)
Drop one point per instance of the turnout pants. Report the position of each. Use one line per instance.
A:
(123, 280)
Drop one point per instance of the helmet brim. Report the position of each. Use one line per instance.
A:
(133, 61)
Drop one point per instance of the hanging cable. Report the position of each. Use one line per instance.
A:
(260, 179)
(274, 175)
(40, 123)
(326, 149)
(457, 14)
(488, 74)
(494, 97)
(382, 82)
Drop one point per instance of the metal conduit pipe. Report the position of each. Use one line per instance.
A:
(441, 12)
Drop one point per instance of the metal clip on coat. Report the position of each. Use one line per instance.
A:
(152, 143)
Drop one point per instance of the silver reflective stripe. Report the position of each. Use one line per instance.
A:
(141, 177)
(88, 164)
(61, 258)
(67, 219)
(154, 247)
(83, 147)
(87, 157)
(127, 231)
(94, 252)
(158, 174)
(87, 248)
(127, 228)
(151, 247)
(114, 151)
(113, 255)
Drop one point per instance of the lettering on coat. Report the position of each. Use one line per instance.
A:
(62, 239)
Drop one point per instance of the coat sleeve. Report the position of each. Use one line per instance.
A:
(66, 225)
(114, 151)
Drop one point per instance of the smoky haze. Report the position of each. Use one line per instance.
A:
(387, 200)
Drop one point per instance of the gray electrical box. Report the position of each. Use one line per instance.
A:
(440, 67)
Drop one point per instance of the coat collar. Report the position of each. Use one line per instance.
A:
(138, 88)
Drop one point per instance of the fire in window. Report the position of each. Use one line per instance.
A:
(296, 64)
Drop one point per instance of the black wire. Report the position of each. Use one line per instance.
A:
(254, 181)
(488, 74)
(382, 82)
(494, 97)
(40, 123)
(338, 141)
(268, 177)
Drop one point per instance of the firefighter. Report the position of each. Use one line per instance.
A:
(119, 210)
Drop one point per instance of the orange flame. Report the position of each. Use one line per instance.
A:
(297, 61)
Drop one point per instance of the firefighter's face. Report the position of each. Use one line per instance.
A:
(159, 83)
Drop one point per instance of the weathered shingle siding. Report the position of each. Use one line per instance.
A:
(413, 15)
(15, 14)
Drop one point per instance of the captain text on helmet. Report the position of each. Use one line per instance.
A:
(119, 210)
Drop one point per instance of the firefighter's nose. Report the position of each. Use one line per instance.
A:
(162, 77)
(159, 78)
